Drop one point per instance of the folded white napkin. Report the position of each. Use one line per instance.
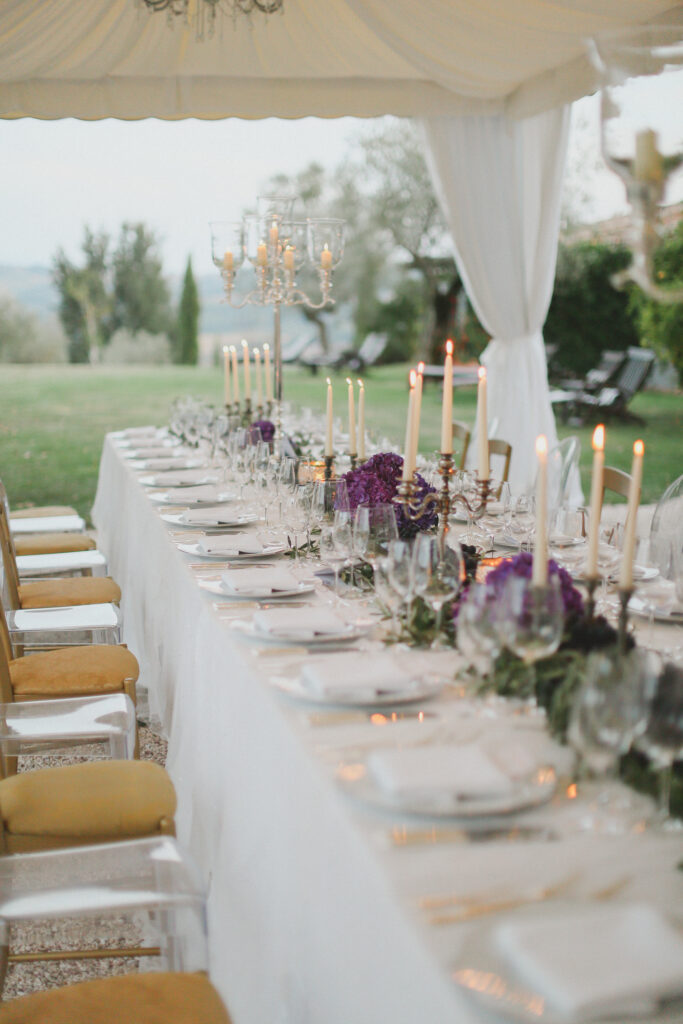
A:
(262, 581)
(151, 452)
(161, 464)
(143, 441)
(591, 961)
(187, 476)
(340, 676)
(140, 432)
(204, 492)
(235, 544)
(291, 624)
(441, 772)
(218, 514)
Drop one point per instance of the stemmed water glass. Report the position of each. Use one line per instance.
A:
(479, 634)
(662, 739)
(387, 595)
(336, 543)
(522, 519)
(532, 619)
(400, 570)
(327, 496)
(437, 574)
(374, 527)
(610, 712)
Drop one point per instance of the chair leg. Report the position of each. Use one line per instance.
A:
(129, 689)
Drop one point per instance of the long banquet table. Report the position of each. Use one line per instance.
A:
(313, 903)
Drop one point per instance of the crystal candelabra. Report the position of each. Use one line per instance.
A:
(641, 74)
(277, 247)
(442, 501)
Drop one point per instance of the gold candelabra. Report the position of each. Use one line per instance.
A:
(441, 501)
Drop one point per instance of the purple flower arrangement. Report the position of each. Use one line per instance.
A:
(376, 482)
(521, 566)
(267, 429)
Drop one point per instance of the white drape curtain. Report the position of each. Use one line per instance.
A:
(499, 183)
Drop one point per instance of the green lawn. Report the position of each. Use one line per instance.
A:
(54, 420)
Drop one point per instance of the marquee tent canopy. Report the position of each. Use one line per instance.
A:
(112, 58)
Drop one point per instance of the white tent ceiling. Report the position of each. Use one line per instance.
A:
(110, 58)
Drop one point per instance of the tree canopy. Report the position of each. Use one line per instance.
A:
(111, 289)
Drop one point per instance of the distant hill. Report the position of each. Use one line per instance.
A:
(32, 287)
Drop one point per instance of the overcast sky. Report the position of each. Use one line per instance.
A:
(56, 176)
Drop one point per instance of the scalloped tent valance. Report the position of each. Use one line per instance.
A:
(111, 58)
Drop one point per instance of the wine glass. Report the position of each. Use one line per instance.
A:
(387, 595)
(336, 543)
(374, 527)
(609, 713)
(522, 519)
(400, 570)
(532, 619)
(437, 571)
(662, 739)
(326, 497)
(478, 628)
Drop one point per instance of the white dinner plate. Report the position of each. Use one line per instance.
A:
(217, 587)
(237, 520)
(159, 465)
(167, 498)
(159, 481)
(483, 973)
(246, 628)
(644, 609)
(529, 792)
(421, 688)
(266, 552)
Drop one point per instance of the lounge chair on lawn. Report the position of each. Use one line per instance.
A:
(613, 400)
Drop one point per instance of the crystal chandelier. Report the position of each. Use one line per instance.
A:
(202, 13)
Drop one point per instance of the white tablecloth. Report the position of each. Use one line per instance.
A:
(312, 912)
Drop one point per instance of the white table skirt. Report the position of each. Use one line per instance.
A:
(312, 918)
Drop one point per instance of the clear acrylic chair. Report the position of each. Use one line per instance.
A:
(667, 528)
(47, 628)
(62, 563)
(563, 462)
(146, 892)
(106, 725)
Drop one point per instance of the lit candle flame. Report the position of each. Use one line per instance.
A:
(412, 377)
(266, 347)
(360, 383)
(421, 369)
(572, 791)
(256, 352)
(225, 349)
(329, 382)
(349, 381)
(541, 444)
(599, 438)
(638, 448)
(481, 373)
(449, 347)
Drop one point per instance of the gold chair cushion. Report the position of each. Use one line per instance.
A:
(127, 999)
(52, 543)
(75, 590)
(43, 510)
(73, 671)
(98, 798)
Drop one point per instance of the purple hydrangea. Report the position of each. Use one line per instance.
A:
(521, 565)
(376, 483)
(267, 429)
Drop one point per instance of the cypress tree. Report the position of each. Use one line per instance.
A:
(188, 320)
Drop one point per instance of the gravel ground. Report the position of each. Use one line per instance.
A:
(33, 977)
